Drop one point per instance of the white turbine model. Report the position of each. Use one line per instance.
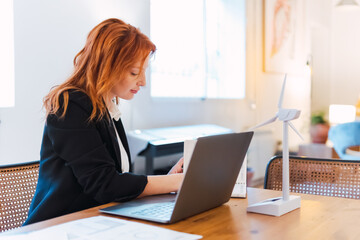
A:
(286, 203)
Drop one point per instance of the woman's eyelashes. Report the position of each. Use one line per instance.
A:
(134, 73)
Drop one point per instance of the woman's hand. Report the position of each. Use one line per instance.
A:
(161, 184)
(178, 167)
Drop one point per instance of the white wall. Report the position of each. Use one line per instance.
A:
(48, 34)
(335, 49)
(263, 89)
(268, 84)
(345, 56)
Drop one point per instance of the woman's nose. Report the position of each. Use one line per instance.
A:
(142, 81)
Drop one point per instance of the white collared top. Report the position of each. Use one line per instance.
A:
(115, 114)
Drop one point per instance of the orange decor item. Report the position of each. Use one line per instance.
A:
(358, 109)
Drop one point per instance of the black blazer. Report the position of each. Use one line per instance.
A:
(80, 164)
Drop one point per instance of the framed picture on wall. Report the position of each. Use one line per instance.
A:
(283, 36)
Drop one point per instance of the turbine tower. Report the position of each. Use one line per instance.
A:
(286, 203)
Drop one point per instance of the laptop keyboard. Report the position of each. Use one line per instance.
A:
(160, 211)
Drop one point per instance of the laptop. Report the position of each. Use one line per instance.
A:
(208, 182)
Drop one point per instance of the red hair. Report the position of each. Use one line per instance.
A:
(111, 49)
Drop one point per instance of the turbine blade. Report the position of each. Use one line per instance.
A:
(263, 123)
(296, 131)
(282, 93)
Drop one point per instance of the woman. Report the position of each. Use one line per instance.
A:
(85, 158)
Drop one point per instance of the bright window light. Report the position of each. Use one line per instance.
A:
(341, 113)
(200, 48)
(7, 82)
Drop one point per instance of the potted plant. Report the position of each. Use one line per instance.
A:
(319, 128)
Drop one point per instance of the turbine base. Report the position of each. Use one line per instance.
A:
(275, 206)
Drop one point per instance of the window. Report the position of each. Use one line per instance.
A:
(200, 48)
(7, 83)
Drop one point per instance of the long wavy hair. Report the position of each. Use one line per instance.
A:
(111, 49)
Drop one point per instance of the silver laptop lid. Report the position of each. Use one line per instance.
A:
(211, 174)
(208, 181)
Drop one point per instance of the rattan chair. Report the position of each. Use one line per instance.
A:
(328, 177)
(17, 186)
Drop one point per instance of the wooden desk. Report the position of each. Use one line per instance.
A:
(318, 218)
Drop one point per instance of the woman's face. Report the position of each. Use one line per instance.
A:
(134, 78)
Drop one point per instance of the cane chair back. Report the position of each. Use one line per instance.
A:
(17, 188)
(328, 177)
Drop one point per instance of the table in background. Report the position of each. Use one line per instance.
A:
(318, 218)
(317, 150)
(159, 142)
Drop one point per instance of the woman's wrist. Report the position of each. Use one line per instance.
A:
(160, 184)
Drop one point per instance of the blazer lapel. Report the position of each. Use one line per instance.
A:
(114, 142)
(121, 131)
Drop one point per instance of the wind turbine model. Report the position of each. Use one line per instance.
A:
(281, 205)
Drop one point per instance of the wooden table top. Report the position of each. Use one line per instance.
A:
(318, 218)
